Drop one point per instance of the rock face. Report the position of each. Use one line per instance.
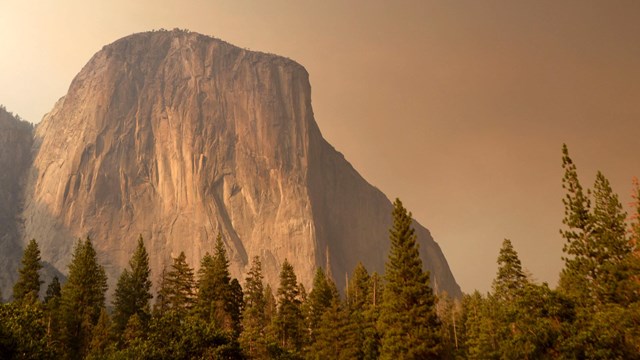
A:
(178, 137)
(16, 138)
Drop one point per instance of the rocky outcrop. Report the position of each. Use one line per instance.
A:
(16, 138)
(178, 137)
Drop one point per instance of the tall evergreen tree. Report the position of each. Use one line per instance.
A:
(612, 247)
(100, 337)
(480, 327)
(53, 314)
(133, 291)
(409, 323)
(372, 335)
(27, 287)
(599, 275)
(574, 279)
(216, 297)
(82, 299)
(510, 280)
(176, 291)
(54, 290)
(318, 301)
(336, 337)
(254, 317)
(289, 319)
(358, 292)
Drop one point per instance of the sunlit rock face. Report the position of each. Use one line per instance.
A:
(178, 137)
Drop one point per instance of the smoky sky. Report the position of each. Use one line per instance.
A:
(460, 108)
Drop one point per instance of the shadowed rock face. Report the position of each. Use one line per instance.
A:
(16, 138)
(179, 137)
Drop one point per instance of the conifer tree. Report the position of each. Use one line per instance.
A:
(271, 314)
(254, 317)
(82, 298)
(510, 280)
(480, 327)
(133, 291)
(574, 279)
(611, 246)
(176, 291)
(53, 314)
(372, 335)
(134, 332)
(28, 285)
(289, 319)
(362, 319)
(318, 301)
(217, 299)
(100, 337)
(408, 321)
(54, 290)
(336, 336)
(358, 293)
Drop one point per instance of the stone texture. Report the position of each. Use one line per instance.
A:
(16, 138)
(178, 136)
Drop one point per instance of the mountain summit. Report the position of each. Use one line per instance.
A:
(178, 136)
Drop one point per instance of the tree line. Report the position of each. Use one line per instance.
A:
(593, 313)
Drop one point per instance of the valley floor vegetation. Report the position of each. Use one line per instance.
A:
(594, 313)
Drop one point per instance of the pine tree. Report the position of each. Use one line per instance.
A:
(575, 277)
(100, 337)
(510, 280)
(480, 327)
(358, 292)
(82, 299)
(336, 336)
(235, 305)
(53, 314)
(372, 335)
(217, 299)
(319, 300)
(54, 290)
(27, 287)
(409, 323)
(601, 272)
(133, 291)
(176, 291)
(254, 317)
(612, 246)
(361, 327)
(289, 319)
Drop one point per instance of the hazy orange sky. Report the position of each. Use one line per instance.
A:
(460, 108)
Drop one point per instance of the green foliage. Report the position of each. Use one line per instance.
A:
(53, 314)
(510, 280)
(289, 319)
(82, 299)
(54, 290)
(101, 338)
(174, 336)
(408, 321)
(319, 300)
(218, 300)
(336, 336)
(254, 316)
(27, 287)
(601, 271)
(176, 291)
(23, 332)
(133, 291)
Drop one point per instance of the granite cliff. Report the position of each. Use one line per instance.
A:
(178, 136)
(16, 138)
